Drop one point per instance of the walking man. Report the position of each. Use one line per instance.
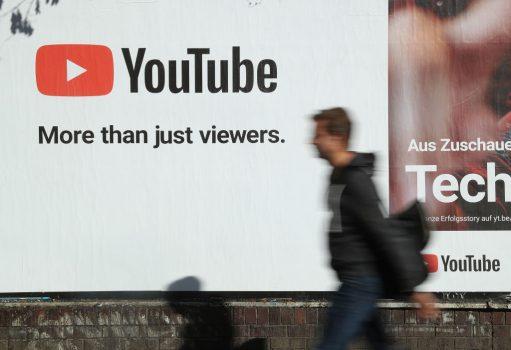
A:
(362, 242)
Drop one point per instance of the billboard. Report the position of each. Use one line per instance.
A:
(146, 141)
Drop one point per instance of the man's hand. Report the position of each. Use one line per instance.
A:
(426, 302)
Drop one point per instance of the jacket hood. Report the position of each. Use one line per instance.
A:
(365, 161)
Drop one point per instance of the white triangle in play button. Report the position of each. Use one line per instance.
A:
(74, 70)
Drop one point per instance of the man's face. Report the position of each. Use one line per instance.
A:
(326, 143)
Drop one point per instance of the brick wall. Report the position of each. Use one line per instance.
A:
(256, 325)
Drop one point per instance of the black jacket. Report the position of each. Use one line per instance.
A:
(362, 241)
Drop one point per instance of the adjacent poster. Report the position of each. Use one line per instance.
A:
(449, 127)
(449, 133)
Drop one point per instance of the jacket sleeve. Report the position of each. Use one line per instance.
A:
(399, 258)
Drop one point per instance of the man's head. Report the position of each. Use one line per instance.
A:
(333, 127)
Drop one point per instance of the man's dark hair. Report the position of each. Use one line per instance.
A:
(337, 121)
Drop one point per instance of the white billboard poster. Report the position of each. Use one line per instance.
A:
(145, 141)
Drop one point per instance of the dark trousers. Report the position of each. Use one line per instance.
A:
(353, 312)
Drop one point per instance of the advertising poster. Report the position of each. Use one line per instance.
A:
(146, 141)
(143, 142)
(449, 133)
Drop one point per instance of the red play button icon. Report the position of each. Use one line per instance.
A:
(431, 261)
(74, 70)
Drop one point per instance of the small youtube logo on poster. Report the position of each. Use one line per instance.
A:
(74, 70)
(431, 261)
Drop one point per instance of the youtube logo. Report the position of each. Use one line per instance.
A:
(88, 70)
(431, 261)
(74, 70)
(467, 263)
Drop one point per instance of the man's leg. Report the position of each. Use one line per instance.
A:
(375, 332)
(352, 307)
